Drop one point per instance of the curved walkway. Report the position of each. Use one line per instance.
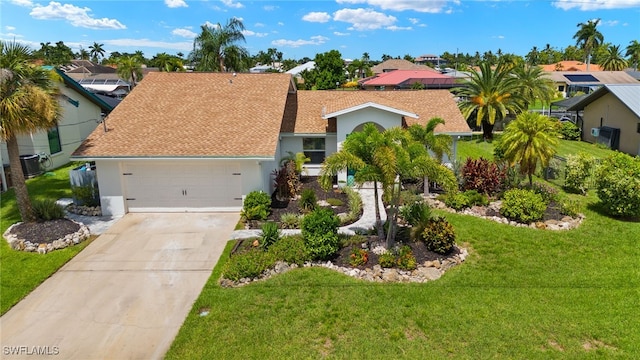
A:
(366, 222)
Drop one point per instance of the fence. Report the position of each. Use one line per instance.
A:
(556, 172)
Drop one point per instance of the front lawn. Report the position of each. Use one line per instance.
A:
(522, 293)
(476, 148)
(21, 272)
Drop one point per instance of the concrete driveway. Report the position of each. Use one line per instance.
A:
(123, 297)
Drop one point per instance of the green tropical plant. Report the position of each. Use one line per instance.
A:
(578, 171)
(588, 37)
(27, 104)
(96, 51)
(47, 209)
(523, 206)
(490, 94)
(439, 145)
(291, 249)
(633, 52)
(298, 159)
(614, 61)
(270, 234)
(216, 49)
(534, 85)
(618, 185)
(130, 69)
(320, 233)
(256, 206)
(529, 140)
(439, 235)
(308, 200)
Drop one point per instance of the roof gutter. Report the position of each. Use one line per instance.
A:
(142, 158)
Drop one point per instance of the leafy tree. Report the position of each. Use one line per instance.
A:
(166, 62)
(328, 72)
(130, 69)
(409, 58)
(490, 94)
(83, 54)
(386, 57)
(27, 103)
(529, 140)
(533, 57)
(588, 37)
(633, 52)
(97, 51)
(534, 85)
(358, 69)
(216, 49)
(572, 53)
(439, 145)
(614, 61)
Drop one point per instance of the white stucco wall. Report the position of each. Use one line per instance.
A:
(348, 122)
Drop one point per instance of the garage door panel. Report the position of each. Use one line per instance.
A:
(164, 186)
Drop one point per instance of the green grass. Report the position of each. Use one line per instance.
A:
(522, 294)
(476, 148)
(21, 272)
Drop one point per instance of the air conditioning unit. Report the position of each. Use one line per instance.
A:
(595, 132)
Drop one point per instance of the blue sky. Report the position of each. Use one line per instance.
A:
(305, 28)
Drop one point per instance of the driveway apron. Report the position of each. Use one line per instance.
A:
(124, 296)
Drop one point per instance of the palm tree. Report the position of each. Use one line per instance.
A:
(491, 94)
(130, 69)
(534, 85)
(96, 51)
(439, 145)
(215, 48)
(633, 52)
(83, 54)
(614, 61)
(533, 57)
(588, 38)
(528, 140)
(27, 104)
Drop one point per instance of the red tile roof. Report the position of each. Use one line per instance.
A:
(408, 77)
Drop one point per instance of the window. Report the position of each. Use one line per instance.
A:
(638, 129)
(314, 149)
(54, 140)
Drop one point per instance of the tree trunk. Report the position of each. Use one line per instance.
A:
(393, 217)
(426, 185)
(19, 184)
(377, 207)
(487, 130)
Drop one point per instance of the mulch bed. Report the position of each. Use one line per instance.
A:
(46, 231)
(278, 208)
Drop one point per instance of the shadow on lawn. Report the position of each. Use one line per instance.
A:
(599, 208)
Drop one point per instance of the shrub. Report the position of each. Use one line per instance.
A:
(456, 201)
(308, 200)
(355, 205)
(290, 221)
(358, 256)
(270, 234)
(290, 249)
(406, 260)
(286, 180)
(320, 233)
(569, 131)
(87, 195)
(418, 216)
(569, 207)
(524, 206)
(578, 171)
(256, 206)
(474, 198)
(249, 264)
(618, 185)
(408, 197)
(549, 194)
(47, 209)
(387, 259)
(335, 202)
(482, 175)
(439, 236)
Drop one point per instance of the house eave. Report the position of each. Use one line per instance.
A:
(372, 105)
(192, 157)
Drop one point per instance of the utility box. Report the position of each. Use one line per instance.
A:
(30, 165)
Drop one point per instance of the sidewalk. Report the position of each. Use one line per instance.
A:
(96, 224)
(365, 223)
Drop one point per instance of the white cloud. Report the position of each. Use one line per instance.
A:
(414, 20)
(11, 35)
(280, 23)
(232, 4)
(146, 43)
(314, 40)
(398, 28)
(432, 6)
(253, 33)
(26, 3)
(210, 24)
(319, 17)
(10, 28)
(498, 37)
(610, 23)
(269, 7)
(364, 19)
(259, 25)
(76, 16)
(175, 3)
(587, 5)
(338, 33)
(186, 33)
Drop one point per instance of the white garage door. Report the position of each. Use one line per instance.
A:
(200, 186)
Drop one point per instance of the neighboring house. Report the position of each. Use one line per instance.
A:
(300, 68)
(406, 79)
(397, 64)
(434, 60)
(611, 116)
(82, 111)
(570, 82)
(258, 69)
(203, 141)
(570, 65)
